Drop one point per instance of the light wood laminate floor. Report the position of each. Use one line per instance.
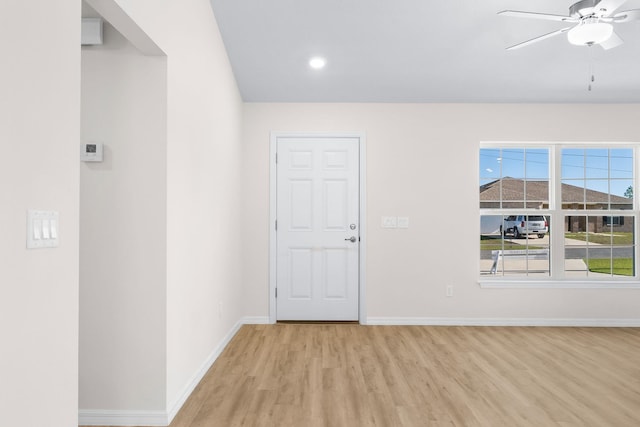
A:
(351, 375)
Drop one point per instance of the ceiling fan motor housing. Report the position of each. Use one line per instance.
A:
(585, 8)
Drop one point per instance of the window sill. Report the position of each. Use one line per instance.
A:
(558, 284)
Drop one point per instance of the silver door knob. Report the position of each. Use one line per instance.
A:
(352, 239)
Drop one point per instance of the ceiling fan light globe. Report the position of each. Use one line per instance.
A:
(588, 34)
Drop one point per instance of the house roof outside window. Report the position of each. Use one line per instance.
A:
(537, 195)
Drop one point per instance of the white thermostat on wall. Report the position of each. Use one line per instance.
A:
(91, 152)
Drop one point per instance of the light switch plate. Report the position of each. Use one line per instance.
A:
(42, 229)
(403, 222)
(389, 222)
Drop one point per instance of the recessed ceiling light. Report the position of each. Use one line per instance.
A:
(317, 62)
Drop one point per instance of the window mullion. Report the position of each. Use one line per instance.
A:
(556, 231)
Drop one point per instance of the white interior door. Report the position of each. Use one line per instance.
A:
(318, 230)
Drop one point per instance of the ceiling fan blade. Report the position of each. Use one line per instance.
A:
(627, 15)
(535, 15)
(539, 38)
(607, 7)
(611, 42)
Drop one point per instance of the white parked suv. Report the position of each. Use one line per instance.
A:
(522, 225)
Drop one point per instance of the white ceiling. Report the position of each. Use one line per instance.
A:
(419, 51)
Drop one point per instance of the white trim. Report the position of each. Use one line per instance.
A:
(256, 320)
(362, 317)
(91, 417)
(461, 321)
(363, 230)
(558, 284)
(182, 397)
(273, 168)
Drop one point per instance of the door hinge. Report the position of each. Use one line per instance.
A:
(276, 158)
(276, 292)
(276, 225)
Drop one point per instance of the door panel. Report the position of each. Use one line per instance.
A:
(336, 205)
(317, 212)
(301, 196)
(300, 279)
(336, 274)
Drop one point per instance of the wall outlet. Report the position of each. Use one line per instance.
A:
(449, 290)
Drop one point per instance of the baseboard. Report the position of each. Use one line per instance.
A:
(163, 418)
(256, 320)
(176, 405)
(464, 321)
(122, 418)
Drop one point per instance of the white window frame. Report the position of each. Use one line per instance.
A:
(557, 279)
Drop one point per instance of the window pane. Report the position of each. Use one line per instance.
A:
(490, 164)
(514, 245)
(599, 246)
(597, 194)
(596, 163)
(573, 194)
(574, 262)
(599, 262)
(537, 164)
(622, 163)
(621, 228)
(513, 163)
(572, 163)
(512, 191)
(490, 195)
(490, 240)
(514, 178)
(537, 194)
(622, 194)
(597, 178)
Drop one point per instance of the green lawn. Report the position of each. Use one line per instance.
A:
(603, 238)
(621, 266)
(494, 243)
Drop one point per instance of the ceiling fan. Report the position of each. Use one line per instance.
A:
(593, 19)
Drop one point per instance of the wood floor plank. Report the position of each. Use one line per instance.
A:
(334, 375)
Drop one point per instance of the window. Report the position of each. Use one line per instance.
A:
(612, 221)
(557, 212)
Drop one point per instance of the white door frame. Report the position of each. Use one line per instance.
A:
(362, 312)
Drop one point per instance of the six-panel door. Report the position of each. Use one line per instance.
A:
(317, 228)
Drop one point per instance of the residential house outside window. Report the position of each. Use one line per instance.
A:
(557, 212)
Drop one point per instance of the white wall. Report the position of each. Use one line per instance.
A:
(39, 122)
(204, 190)
(422, 162)
(200, 186)
(123, 228)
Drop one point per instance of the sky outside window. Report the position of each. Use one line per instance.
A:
(519, 163)
(605, 170)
